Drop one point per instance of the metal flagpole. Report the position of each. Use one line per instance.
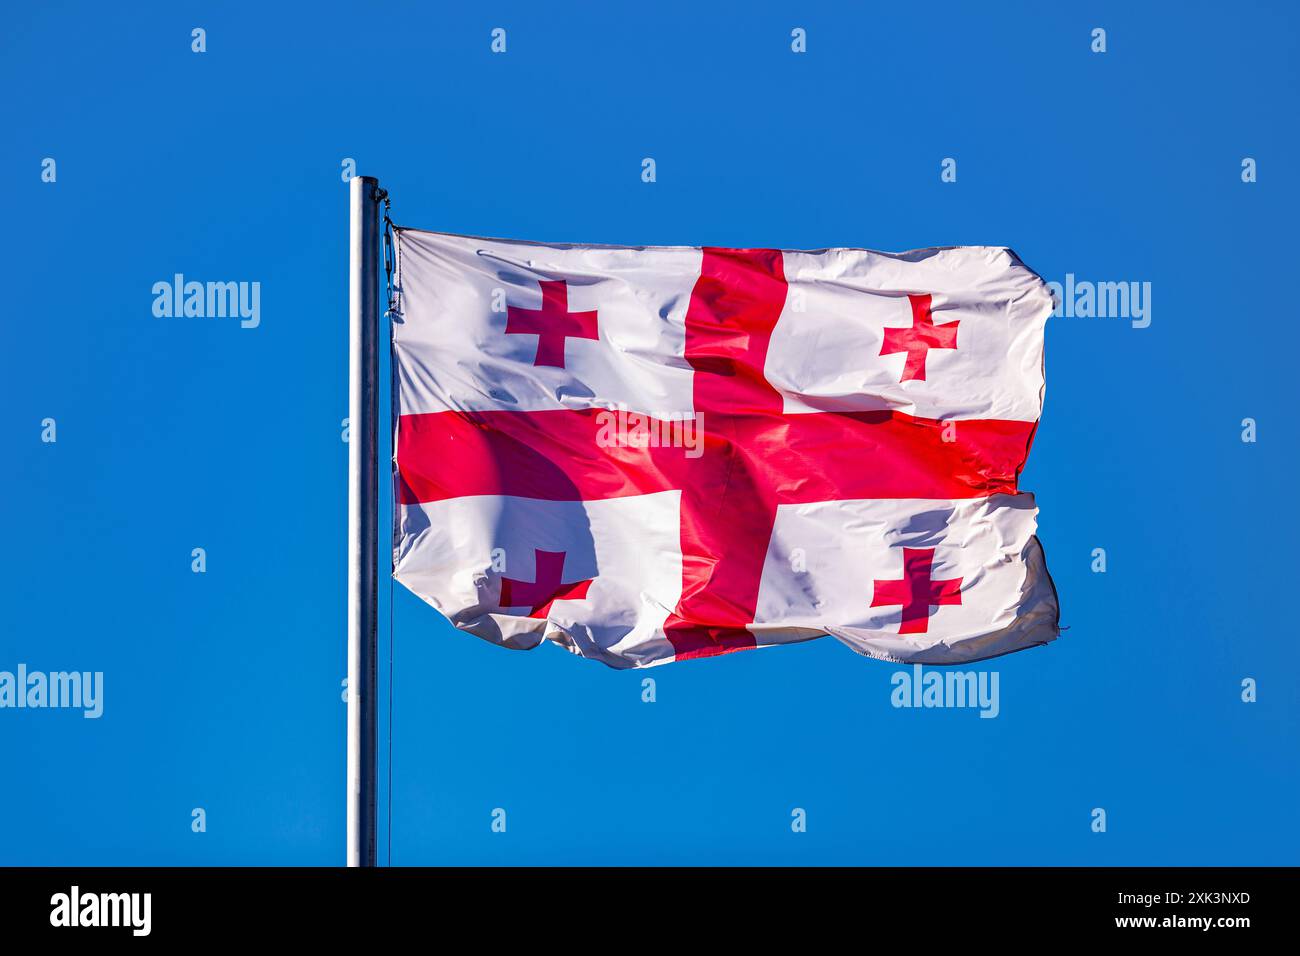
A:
(363, 519)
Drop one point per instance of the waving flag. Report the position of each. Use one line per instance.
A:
(654, 454)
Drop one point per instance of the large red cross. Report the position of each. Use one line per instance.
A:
(918, 338)
(539, 594)
(755, 455)
(917, 592)
(552, 323)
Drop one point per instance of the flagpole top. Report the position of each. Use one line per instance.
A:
(365, 186)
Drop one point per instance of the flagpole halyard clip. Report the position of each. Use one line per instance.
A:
(392, 313)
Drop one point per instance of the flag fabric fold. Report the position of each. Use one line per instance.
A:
(654, 454)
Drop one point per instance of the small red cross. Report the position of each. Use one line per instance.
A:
(552, 323)
(916, 592)
(539, 594)
(919, 338)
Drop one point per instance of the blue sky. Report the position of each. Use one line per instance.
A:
(222, 689)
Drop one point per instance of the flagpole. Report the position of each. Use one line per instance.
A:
(363, 519)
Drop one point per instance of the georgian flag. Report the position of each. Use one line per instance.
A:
(653, 454)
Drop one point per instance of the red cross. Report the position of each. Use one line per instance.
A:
(539, 594)
(917, 592)
(755, 456)
(552, 323)
(919, 338)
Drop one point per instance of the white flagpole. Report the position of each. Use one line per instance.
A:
(363, 519)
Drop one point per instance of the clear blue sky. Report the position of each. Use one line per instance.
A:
(222, 690)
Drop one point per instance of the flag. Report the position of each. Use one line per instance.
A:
(660, 453)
